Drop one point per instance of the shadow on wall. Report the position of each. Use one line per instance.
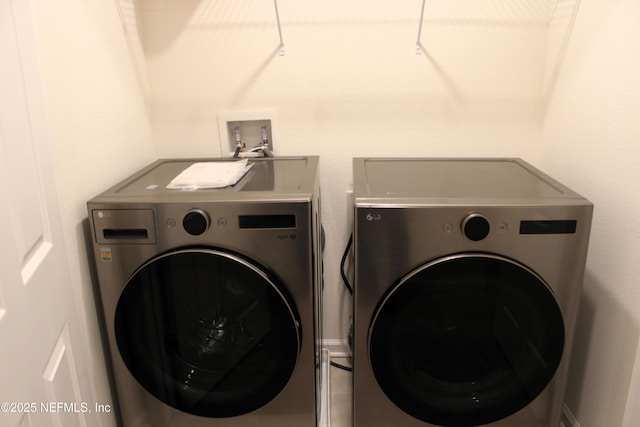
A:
(176, 18)
(605, 336)
(248, 84)
(201, 17)
(485, 60)
(563, 16)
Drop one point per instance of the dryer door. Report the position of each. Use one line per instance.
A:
(207, 332)
(466, 340)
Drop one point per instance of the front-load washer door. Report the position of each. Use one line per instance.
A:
(466, 340)
(207, 332)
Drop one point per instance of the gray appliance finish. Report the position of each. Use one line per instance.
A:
(468, 274)
(211, 298)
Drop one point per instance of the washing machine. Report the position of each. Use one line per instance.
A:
(211, 297)
(467, 278)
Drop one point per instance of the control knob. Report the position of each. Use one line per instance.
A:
(475, 227)
(196, 222)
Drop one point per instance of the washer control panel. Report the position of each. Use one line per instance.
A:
(197, 222)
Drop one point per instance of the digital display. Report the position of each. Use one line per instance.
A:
(267, 221)
(548, 227)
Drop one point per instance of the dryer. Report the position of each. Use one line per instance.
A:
(211, 297)
(467, 278)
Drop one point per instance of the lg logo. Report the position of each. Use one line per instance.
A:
(374, 217)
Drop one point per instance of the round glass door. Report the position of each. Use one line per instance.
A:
(466, 340)
(207, 333)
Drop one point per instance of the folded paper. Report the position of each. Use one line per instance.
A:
(210, 175)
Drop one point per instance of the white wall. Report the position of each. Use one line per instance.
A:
(100, 127)
(350, 84)
(591, 141)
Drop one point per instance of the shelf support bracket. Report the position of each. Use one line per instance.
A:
(275, 3)
(418, 42)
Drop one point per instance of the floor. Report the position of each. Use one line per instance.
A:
(341, 396)
(341, 392)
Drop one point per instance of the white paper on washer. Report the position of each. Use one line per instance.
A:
(210, 175)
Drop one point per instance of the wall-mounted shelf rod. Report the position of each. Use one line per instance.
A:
(275, 3)
(418, 42)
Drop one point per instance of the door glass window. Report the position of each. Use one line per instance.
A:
(207, 333)
(466, 340)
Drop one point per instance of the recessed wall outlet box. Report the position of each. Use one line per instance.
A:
(247, 127)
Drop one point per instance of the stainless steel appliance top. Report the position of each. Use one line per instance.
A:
(278, 178)
(455, 181)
